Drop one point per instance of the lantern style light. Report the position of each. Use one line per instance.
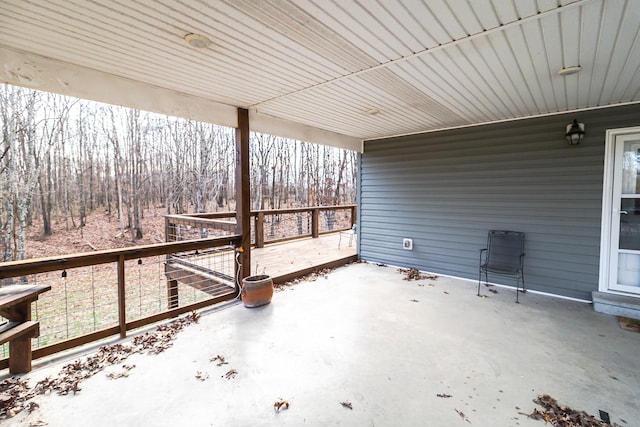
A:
(575, 132)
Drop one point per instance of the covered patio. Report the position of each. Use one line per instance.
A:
(459, 114)
(387, 346)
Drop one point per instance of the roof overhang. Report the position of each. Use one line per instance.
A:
(335, 73)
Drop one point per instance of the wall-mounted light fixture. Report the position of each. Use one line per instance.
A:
(575, 132)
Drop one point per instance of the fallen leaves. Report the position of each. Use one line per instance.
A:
(221, 360)
(120, 374)
(311, 277)
(563, 416)
(444, 395)
(202, 376)
(280, 405)
(463, 416)
(231, 373)
(347, 404)
(414, 274)
(629, 324)
(15, 392)
(495, 291)
(414, 300)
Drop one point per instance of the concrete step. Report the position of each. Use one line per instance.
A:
(617, 305)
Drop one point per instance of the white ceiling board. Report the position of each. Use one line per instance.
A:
(313, 67)
(42, 73)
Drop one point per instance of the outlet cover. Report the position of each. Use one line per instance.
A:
(407, 244)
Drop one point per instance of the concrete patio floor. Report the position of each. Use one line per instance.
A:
(386, 345)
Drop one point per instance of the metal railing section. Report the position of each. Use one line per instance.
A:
(99, 294)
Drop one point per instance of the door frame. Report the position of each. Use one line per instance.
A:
(607, 208)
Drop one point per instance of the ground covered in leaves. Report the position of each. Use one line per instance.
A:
(16, 394)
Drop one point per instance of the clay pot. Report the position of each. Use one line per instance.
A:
(257, 290)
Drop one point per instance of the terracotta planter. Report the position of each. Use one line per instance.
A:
(257, 290)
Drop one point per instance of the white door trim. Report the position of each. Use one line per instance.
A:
(607, 206)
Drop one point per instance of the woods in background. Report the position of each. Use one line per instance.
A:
(62, 158)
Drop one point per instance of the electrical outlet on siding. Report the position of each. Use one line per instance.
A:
(407, 244)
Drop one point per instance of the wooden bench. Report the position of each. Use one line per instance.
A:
(15, 306)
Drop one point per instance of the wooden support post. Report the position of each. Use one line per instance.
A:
(122, 311)
(20, 355)
(243, 191)
(168, 236)
(315, 220)
(259, 230)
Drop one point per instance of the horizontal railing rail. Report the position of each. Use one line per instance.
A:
(100, 294)
(268, 225)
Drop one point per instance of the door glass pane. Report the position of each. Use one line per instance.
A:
(631, 168)
(630, 224)
(629, 269)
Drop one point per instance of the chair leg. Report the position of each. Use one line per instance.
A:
(479, 278)
(339, 240)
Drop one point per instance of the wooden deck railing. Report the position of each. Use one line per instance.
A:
(41, 270)
(103, 282)
(268, 226)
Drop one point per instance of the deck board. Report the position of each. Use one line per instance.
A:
(281, 260)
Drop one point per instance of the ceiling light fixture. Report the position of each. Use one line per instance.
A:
(575, 132)
(197, 41)
(567, 71)
(372, 111)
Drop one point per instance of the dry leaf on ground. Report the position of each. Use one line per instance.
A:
(280, 405)
(414, 274)
(220, 359)
(463, 416)
(202, 376)
(231, 373)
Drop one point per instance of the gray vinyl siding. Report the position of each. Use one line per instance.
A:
(446, 190)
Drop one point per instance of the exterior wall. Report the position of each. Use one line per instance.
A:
(445, 190)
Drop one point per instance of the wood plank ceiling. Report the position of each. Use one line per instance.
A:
(332, 71)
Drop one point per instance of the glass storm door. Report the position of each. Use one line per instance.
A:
(624, 272)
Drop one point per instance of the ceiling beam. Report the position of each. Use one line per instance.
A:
(41, 73)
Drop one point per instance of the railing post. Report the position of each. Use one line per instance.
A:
(315, 220)
(243, 191)
(259, 230)
(122, 313)
(167, 230)
(353, 215)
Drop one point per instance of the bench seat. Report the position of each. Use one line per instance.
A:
(17, 330)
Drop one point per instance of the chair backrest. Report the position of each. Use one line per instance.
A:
(505, 249)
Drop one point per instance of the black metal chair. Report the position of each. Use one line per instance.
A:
(504, 256)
